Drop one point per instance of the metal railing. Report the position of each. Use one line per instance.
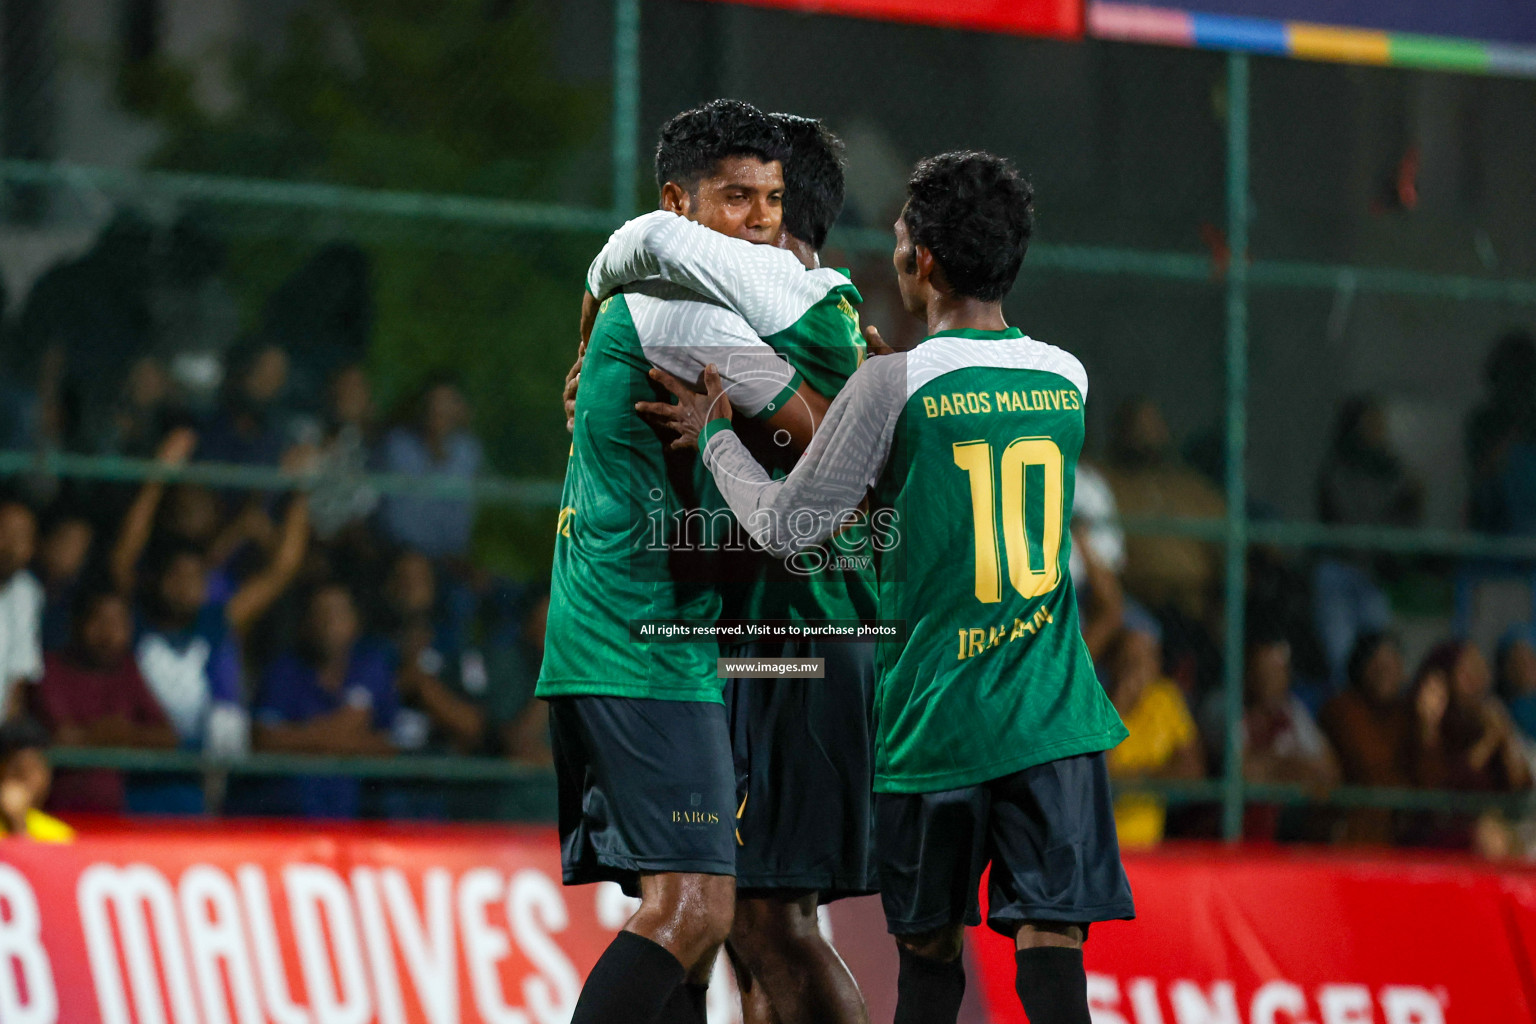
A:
(528, 793)
(514, 792)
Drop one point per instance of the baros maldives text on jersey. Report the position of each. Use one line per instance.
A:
(972, 439)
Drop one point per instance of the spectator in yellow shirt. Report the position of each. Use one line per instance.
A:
(1163, 742)
(25, 776)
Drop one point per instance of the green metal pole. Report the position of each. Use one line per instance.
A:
(626, 105)
(1237, 438)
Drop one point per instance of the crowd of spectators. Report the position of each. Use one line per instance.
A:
(337, 619)
(329, 619)
(1329, 698)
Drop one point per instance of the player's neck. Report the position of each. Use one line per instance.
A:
(802, 250)
(951, 313)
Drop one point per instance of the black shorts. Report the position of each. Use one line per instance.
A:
(804, 773)
(1047, 831)
(645, 787)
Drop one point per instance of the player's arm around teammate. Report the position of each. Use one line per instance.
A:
(640, 738)
(803, 750)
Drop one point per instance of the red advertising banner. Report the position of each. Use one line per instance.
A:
(1060, 18)
(1298, 938)
(247, 925)
(295, 928)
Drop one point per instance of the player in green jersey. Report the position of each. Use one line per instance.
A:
(802, 747)
(640, 736)
(991, 725)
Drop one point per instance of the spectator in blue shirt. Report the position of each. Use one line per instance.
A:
(189, 639)
(334, 695)
(439, 442)
(186, 649)
(188, 515)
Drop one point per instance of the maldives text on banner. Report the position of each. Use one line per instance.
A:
(471, 926)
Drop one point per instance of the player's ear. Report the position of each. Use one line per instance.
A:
(675, 198)
(922, 262)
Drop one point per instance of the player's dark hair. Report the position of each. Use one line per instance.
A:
(975, 212)
(813, 178)
(694, 142)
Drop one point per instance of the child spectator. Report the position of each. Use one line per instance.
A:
(1163, 741)
(21, 608)
(62, 557)
(335, 695)
(92, 695)
(1369, 725)
(25, 776)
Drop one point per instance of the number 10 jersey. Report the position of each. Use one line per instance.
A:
(967, 447)
(995, 677)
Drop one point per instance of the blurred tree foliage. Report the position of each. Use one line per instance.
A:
(447, 96)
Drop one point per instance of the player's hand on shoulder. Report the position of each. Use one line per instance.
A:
(692, 409)
(875, 344)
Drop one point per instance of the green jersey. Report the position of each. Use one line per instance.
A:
(637, 530)
(967, 448)
(809, 317)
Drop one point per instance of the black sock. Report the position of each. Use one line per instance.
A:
(1052, 985)
(687, 1005)
(928, 991)
(629, 984)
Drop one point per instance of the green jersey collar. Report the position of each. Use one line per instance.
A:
(966, 332)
